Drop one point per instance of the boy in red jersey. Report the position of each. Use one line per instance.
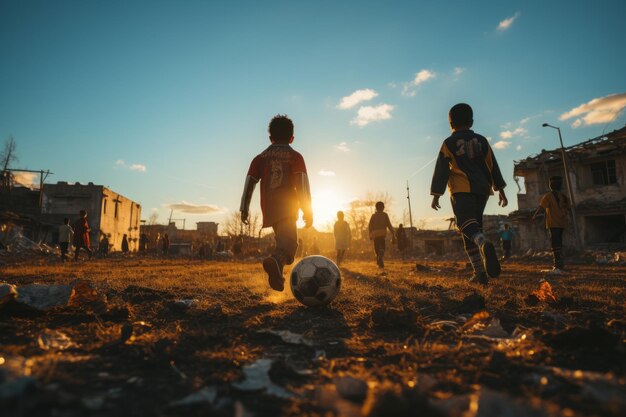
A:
(284, 190)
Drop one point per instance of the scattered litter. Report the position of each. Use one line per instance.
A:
(93, 403)
(15, 376)
(8, 292)
(488, 403)
(178, 371)
(320, 355)
(290, 337)
(186, 303)
(544, 293)
(352, 389)
(205, 395)
(47, 296)
(257, 379)
(44, 296)
(472, 303)
(54, 340)
(422, 268)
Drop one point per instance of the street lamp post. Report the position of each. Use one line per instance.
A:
(568, 185)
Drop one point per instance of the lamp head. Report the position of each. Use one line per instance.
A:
(545, 125)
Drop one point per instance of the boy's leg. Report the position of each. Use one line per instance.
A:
(556, 236)
(379, 248)
(468, 209)
(286, 236)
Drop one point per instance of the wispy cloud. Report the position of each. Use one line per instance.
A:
(368, 114)
(457, 71)
(326, 173)
(357, 97)
(343, 147)
(420, 78)
(120, 163)
(190, 208)
(506, 23)
(501, 144)
(508, 134)
(137, 167)
(518, 147)
(597, 111)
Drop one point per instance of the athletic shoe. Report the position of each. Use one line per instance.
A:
(490, 259)
(479, 278)
(274, 273)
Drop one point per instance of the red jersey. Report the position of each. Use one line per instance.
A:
(276, 168)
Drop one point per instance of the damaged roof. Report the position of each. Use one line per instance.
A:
(603, 145)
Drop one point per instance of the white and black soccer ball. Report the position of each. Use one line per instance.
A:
(315, 281)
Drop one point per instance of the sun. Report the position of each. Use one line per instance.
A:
(326, 203)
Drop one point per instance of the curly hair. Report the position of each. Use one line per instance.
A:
(281, 128)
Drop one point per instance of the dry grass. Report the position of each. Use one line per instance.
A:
(391, 331)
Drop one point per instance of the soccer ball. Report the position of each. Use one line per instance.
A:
(315, 281)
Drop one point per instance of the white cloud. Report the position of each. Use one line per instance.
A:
(120, 163)
(137, 167)
(502, 144)
(458, 71)
(577, 123)
(343, 147)
(326, 173)
(508, 134)
(420, 78)
(597, 111)
(368, 114)
(190, 208)
(357, 97)
(524, 120)
(506, 23)
(518, 147)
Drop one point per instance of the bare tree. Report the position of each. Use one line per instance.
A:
(361, 210)
(8, 153)
(7, 157)
(235, 227)
(152, 220)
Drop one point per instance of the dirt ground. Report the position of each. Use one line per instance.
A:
(181, 337)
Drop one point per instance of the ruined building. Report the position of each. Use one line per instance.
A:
(598, 177)
(107, 211)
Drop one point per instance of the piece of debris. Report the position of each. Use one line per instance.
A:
(54, 340)
(95, 403)
(44, 296)
(290, 337)
(544, 293)
(472, 303)
(391, 318)
(352, 389)
(8, 292)
(185, 303)
(205, 395)
(422, 268)
(15, 376)
(257, 379)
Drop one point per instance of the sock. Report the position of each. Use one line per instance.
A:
(479, 239)
(558, 257)
(475, 259)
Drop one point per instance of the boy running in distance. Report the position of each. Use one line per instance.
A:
(467, 165)
(556, 205)
(284, 190)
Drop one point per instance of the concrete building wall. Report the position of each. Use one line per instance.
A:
(107, 212)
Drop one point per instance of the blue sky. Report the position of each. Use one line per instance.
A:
(167, 102)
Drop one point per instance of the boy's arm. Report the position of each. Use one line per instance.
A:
(496, 175)
(440, 176)
(304, 197)
(252, 178)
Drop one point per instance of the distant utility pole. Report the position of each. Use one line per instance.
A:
(408, 197)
